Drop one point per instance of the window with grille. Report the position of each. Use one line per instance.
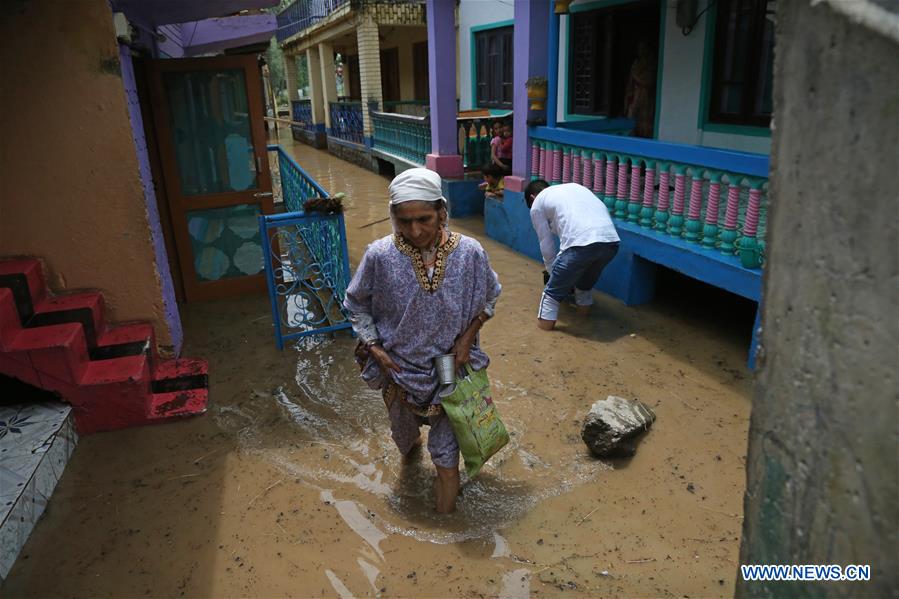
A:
(603, 45)
(743, 63)
(494, 55)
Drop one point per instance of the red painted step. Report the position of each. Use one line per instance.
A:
(179, 368)
(112, 376)
(112, 394)
(9, 319)
(58, 350)
(19, 370)
(178, 404)
(54, 307)
(34, 275)
(127, 333)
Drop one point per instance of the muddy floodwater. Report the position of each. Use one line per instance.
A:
(291, 486)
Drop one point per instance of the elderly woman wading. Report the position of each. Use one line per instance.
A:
(419, 293)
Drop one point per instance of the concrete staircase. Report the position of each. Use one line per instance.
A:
(111, 374)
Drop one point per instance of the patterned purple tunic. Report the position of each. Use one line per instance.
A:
(420, 318)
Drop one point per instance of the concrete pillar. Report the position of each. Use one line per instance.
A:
(290, 73)
(316, 89)
(444, 157)
(530, 61)
(821, 482)
(369, 70)
(328, 78)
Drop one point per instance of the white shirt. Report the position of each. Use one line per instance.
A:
(573, 214)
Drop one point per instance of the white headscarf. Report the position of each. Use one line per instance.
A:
(416, 184)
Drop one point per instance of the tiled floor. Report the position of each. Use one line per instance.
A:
(36, 441)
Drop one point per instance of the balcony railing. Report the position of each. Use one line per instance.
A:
(303, 14)
(474, 141)
(346, 121)
(634, 178)
(404, 136)
(409, 137)
(291, 184)
(301, 114)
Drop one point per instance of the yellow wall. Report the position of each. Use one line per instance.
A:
(403, 37)
(70, 192)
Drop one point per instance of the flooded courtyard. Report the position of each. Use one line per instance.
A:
(291, 486)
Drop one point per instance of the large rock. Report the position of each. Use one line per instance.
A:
(613, 424)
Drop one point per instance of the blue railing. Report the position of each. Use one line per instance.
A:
(307, 271)
(301, 114)
(303, 14)
(307, 262)
(296, 186)
(707, 196)
(406, 137)
(346, 121)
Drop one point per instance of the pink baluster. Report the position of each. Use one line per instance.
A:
(566, 165)
(648, 188)
(694, 210)
(621, 195)
(661, 214)
(710, 230)
(676, 222)
(711, 211)
(695, 207)
(593, 171)
(556, 164)
(544, 162)
(733, 206)
(633, 205)
(751, 249)
(751, 224)
(576, 165)
(729, 234)
(609, 195)
(680, 189)
(664, 190)
(535, 159)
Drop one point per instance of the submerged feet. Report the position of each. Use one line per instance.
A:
(414, 452)
(446, 489)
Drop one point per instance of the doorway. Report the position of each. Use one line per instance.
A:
(209, 128)
(613, 63)
(390, 75)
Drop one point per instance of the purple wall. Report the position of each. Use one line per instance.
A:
(170, 305)
(441, 18)
(217, 35)
(530, 60)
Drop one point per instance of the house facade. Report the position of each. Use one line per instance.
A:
(359, 59)
(661, 108)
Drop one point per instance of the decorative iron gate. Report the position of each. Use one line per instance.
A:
(306, 260)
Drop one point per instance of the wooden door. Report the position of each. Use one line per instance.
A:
(390, 75)
(208, 118)
(420, 71)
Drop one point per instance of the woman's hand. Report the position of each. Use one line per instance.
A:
(383, 359)
(462, 348)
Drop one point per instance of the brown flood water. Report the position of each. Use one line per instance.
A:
(290, 484)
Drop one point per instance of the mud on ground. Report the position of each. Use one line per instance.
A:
(290, 485)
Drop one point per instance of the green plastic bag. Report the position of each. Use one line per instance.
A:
(474, 419)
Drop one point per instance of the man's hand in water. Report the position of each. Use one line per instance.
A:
(385, 362)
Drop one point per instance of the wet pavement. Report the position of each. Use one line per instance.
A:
(290, 485)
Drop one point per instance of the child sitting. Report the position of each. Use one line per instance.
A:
(493, 183)
(502, 153)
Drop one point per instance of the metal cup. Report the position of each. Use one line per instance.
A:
(445, 367)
